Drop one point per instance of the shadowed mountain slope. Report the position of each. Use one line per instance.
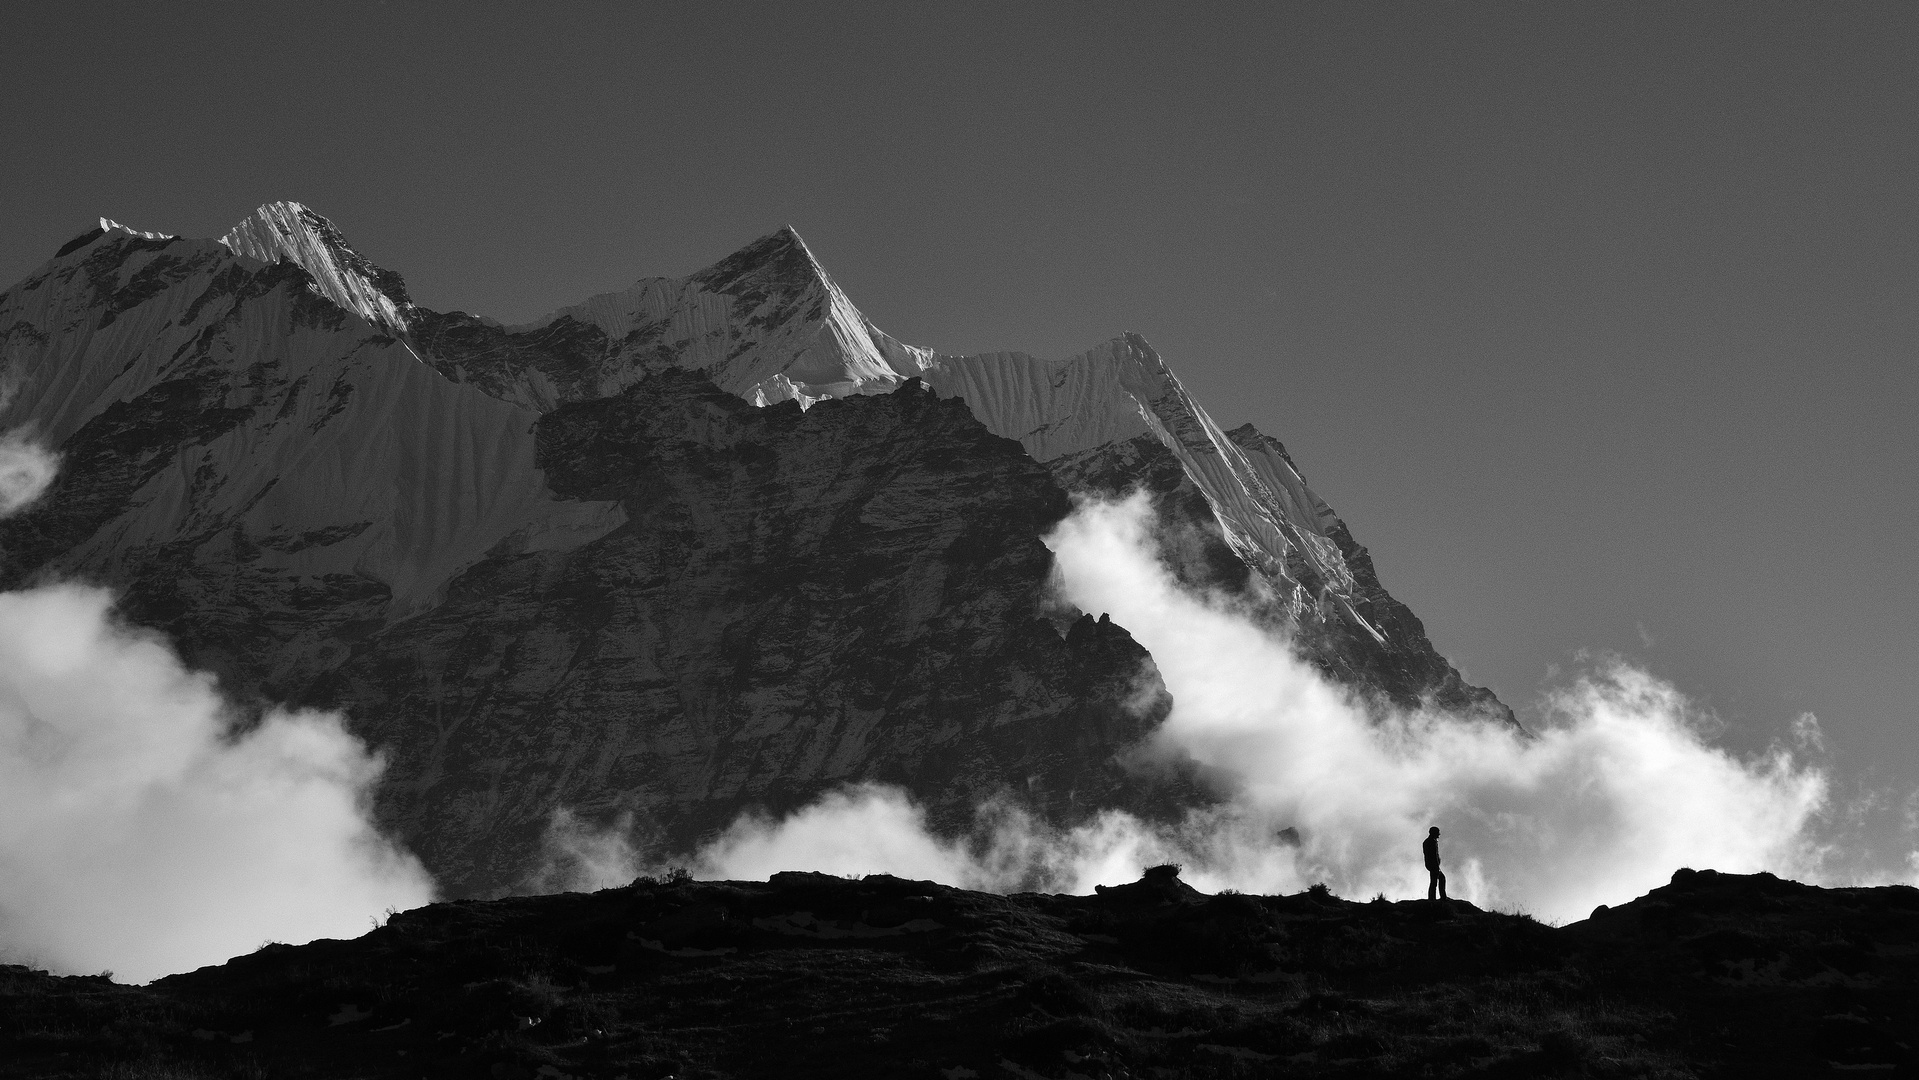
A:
(795, 599)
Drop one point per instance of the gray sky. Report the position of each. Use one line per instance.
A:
(1598, 322)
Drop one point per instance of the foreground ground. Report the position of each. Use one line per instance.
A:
(812, 975)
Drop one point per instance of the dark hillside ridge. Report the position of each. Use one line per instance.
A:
(808, 975)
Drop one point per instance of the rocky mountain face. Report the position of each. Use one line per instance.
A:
(794, 598)
(681, 550)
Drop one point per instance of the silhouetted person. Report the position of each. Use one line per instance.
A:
(1438, 882)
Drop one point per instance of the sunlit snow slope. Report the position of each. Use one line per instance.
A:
(225, 397)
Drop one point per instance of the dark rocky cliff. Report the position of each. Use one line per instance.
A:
(796, 600)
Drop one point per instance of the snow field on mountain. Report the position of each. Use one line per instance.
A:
(411, 477)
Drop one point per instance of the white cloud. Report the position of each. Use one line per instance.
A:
(140, 833)
(27, 469)
(581, 857)
(1619, 787)
(867, 829)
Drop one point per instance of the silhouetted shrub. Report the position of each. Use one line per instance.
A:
(1060, 995)
(583, 1018)
(1561, 1049)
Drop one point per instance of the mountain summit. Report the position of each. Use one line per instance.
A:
(683, 549)
(768, 324)
(290, 231)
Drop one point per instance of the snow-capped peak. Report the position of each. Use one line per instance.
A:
(108, 225)
(780, 257)
(288, 230)
(844, 354)
(770, 324)
(766, 323)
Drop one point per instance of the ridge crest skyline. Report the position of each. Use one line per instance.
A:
(768, 323)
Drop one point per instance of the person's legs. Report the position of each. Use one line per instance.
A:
(1439, 876)
(1432, 885)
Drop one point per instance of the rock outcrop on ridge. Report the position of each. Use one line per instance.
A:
(682, 550)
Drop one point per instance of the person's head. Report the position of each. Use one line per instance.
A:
(1434, 832)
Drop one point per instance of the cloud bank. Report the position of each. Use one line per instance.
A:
(27, 468)
(1620, 786)
(581, 857)
(140, 833)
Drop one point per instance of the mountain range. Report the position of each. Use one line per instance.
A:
(694, 547)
